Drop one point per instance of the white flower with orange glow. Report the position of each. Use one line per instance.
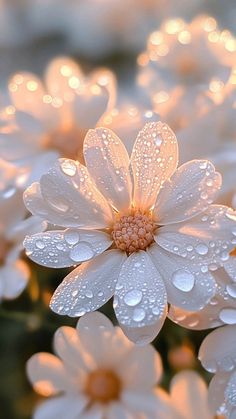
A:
(14, 272)
(48, 120)
(187, 54)
(217, 355)
(97, 373)
(145, 230)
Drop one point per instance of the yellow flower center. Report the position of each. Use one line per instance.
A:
(102, 386)
(133, 232)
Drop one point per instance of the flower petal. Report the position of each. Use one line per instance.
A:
(189, 395)
(189, 192)
(140, 296)
(214, 354)
(47, 374)
(68, 347)
(146, 402)
(141, 368)
(217, 386)
(186, 285)
(59, 249)
(13, 279)
(69, 407)
(207, 238)
(146, 334)
(89, 286)
(116, 410)
(62, 74)
(71, 196)
(154, 159)
(108, 164)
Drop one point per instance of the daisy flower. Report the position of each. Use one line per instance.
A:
(48, 120)
(217, 355)
(14, 272)
(145, 230)
(96, 373)
(187, 54)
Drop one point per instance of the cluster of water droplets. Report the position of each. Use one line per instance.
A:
(65, 248)
(140, 296)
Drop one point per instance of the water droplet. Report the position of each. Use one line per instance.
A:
(74, 293)
(133, 297)
(69, 167)
(156, 311)
(158, 141)
(40, 244)
(231, 289)
(71, 237)
(89, 294)
(228, 315)
(202, 249)
(183, 280)
(83, 251)
(138, 314)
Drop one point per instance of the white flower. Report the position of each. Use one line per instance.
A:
(96, 373)
(164, 232)
(188, 397)
(187, 54)
(217, 355)
(48, 120)
(14, 272)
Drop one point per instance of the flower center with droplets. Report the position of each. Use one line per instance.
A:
(133, 232)
(68, 141)
(102, 386)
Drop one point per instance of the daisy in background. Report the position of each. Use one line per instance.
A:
(218, 355)
(14, 272)
(48, 120)
(146, 232)
(97, 373)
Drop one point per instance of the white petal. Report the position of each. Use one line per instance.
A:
(40, 164)
(30, 225)
(62, 74)
(116, 411)
(71, 198)
(141, 368)
(189, 192)
(69, 407)
(14, 279)
(95, 412)
(140, 296)
(189, 395)
(96, 327)
(68, 347)
(154, 159)
(47, 374)
(186, 285)
(27, 91)
(207, 238)
(218, 350)
(145, 402)
(89, 286)
(230, 393)
(146, 334)
(200, 320)
(89, 105)
(59, 249)
(108, 164)
(217, 386)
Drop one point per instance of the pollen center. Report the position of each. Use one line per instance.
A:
(103, 386)
(133, 232)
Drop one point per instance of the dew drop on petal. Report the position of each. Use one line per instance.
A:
(133, 297)
(231, 289)
(139, 314)
(68, 167)
(71, 237)
(228, 315)
(202, 249)
(183, 280)
(40, 244)
(81, 252)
